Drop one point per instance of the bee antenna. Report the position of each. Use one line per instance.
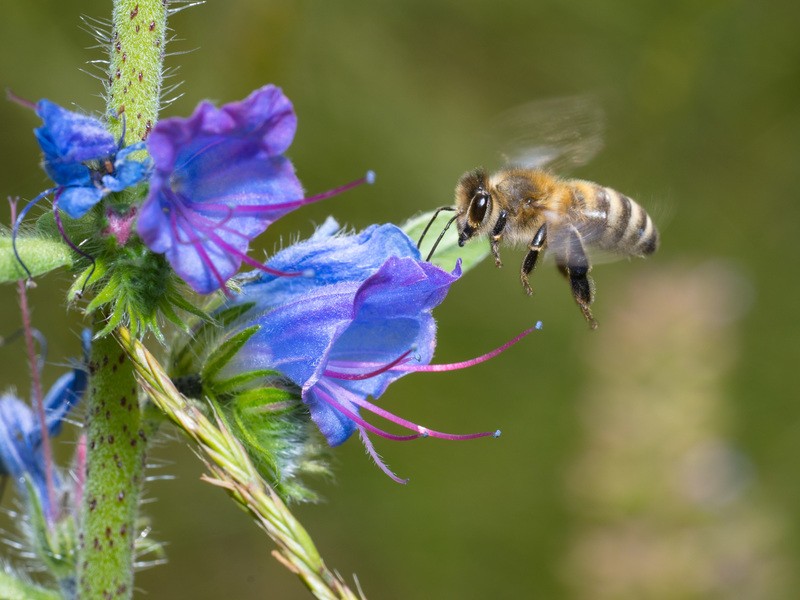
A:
(441, 235)
(428, 226)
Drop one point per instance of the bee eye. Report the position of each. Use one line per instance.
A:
(477, 210)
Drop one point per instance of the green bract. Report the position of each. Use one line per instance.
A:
(262, 409)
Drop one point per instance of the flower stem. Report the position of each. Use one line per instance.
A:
(114, 474)
(136, 66)
(231, 469)
(116, 441)
(38, 399)
(36, 385)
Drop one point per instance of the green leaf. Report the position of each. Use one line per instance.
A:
(179, 301)
(448, 251)
(226, 316)
(40, 255)
(225, 351)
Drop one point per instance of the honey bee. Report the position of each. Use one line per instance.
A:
(527, 205)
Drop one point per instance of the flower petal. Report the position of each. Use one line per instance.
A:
(69, 141)
(356, 325)
(217, 175)
(71, 137)
(16, 423)
(332, 423)
(77, 201)
(328, 259)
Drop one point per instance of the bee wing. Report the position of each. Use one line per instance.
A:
(557, 133)
(564, 245)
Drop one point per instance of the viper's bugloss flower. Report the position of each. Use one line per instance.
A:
(21, 455)
(364, 324)
(83, 159)
(327, 257)
(85, 163)
(220, 180)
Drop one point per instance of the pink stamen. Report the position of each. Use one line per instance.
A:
(353, 416)
(265, 208)
(192, 220)
(376, 458)
(197, 220)
(203, 255)
(193, 213)
(471, 362)
(250, 261)
(423, 431)
(375, 373)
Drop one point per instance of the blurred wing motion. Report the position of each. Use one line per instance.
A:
(557, 134)
(528, 204)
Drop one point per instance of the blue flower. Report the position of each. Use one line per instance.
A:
(347, 334)
(21, 436)
(220, 180)
(327, 257)
(82, 158)
(84, 161)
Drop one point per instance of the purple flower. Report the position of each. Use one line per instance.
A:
(329, 256)
(84, 161)
(21, 436)
(220, 180)
(82, 158)
(365, 325)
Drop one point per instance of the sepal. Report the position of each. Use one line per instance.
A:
(274, 427)
(134, 288)
(54, 541)
(260, 407)
(223, 353)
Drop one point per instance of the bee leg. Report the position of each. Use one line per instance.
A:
(529, 263)
(575, 267)
(497, 235)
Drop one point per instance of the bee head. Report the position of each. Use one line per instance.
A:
(473, 202)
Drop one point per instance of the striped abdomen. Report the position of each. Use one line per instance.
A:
(611, 221)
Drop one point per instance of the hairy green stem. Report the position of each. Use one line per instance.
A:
(232, 470)
(116, 439)
(136, 66)
(114, 474)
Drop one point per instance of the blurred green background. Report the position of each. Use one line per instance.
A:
(653, 458)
